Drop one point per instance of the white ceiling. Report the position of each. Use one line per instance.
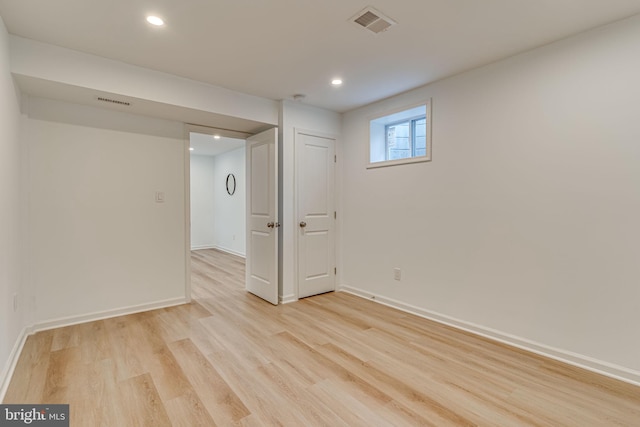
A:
(206, 145)
(277, 48)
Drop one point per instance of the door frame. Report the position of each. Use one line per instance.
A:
(296, 173)
(207, 130)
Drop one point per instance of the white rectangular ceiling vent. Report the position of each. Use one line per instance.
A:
(373, 20)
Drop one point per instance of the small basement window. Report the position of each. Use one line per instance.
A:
(400, 137)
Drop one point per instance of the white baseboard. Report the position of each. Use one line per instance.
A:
(99, 315)
(10, 365)
(220, 248)
(286, 299)
(230, 251)
(197, 248)
(585, 362)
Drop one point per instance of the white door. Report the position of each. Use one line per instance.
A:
(262, 215)
(315, 165)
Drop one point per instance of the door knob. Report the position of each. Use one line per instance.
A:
(270, 224)
(303, 224)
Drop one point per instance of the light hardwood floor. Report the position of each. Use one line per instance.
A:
(230, 359)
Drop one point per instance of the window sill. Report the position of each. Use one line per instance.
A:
(387, 163)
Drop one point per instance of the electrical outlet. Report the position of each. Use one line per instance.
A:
(397, 274)
(15, 302)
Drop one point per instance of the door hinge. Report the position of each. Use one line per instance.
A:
(335, 159)
(335, 271)
(335, 215)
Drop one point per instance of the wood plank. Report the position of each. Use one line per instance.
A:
(231, 359)
(140, 403)
(224, 406)
(28, 382)
(188, 411)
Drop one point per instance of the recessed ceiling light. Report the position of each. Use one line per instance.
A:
(216, 136)
(336, 82)
(154, 20)
(190, 148)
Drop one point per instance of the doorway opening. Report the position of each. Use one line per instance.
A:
(246, 177)
(217, 193)
(217, 196)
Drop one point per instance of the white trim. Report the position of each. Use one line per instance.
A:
(186, 161)
(397, 162)
(208, 130)
(230, 251)
(100, 315)
(201, 247)
(219, 248)
(288, 299)
(294, 226)
(12, 362)
(578, 360)
(317, 134)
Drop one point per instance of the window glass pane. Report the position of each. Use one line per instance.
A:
(398, 142)
(399, 137)
(420, 136)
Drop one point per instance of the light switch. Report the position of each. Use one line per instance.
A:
(159, 196)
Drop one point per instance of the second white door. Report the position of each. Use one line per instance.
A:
(316, 213)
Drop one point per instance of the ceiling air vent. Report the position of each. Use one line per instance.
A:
(373, 20)
(114, 101)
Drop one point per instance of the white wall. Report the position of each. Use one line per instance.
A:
(98, 240)
(525, 225)
(294, 115)
(230, 211)
(202, 202)
(11, 213)
(218, 219)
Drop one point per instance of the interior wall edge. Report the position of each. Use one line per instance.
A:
(607, 369)
(106, 314)
(12, 362)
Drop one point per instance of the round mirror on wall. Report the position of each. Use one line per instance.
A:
(231, 184)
